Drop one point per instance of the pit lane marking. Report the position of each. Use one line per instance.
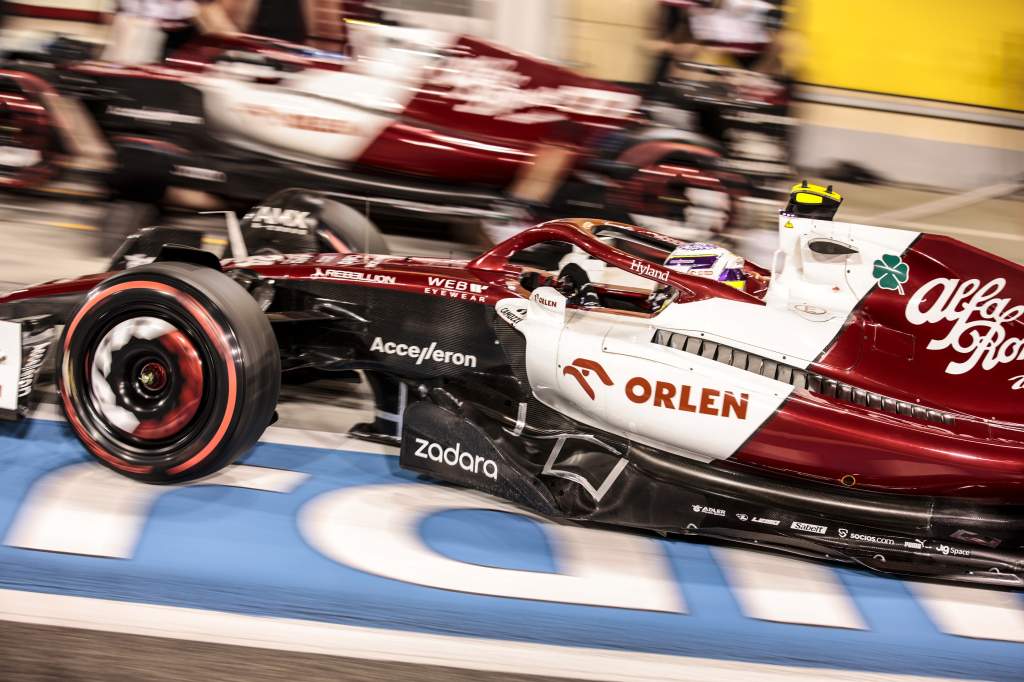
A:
(375, 644)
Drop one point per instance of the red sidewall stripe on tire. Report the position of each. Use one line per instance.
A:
(213, 332)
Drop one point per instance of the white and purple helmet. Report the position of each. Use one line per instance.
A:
(709, 261)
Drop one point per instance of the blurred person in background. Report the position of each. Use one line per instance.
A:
(145, 31)
(728, 63)
(736, 33)
(283, 19)
(320, 23)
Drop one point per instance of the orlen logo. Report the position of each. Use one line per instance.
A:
(546, 302)
(456, 457)
(710, 401)
(581, 368)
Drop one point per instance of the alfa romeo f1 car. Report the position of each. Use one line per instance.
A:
(856, 401)
(416, 125)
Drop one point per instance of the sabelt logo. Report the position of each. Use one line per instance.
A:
(642, 268)
(421, 353)
(455, 456)
(809, 527)
(709, 401)
(333, 273)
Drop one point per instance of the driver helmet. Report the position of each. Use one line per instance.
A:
(709, 261)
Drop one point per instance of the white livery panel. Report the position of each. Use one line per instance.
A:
(10, 364)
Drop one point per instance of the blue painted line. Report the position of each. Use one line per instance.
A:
(238, 550)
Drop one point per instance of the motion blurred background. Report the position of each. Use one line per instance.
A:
(919, 102)
(913, 109)
(926, 93)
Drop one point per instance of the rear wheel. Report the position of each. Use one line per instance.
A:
(168, 372)
(304, 221)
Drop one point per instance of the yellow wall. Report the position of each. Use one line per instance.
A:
(964, 51)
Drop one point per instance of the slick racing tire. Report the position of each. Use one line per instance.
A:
(168, 372)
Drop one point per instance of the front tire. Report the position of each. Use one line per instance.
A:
(168, 372)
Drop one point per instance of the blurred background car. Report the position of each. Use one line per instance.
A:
(466, 120)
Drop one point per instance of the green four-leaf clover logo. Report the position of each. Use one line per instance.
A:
(891, 272)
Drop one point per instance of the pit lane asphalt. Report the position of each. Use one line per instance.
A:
(39, 653)
(47, 239)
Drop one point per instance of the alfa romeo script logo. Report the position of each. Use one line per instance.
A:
(981, 321)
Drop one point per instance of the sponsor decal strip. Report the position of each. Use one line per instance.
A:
(421, 353)
(455, 456)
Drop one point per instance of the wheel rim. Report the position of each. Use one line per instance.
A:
(146, 380)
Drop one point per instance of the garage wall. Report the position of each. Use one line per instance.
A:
(949, 50)
(605, 38)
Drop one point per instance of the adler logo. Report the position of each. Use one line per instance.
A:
(709, 511)
(642, 268)
(455, 456)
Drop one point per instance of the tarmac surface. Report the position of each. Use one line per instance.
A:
(39, 653)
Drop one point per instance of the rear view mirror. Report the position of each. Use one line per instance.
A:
(827, 247)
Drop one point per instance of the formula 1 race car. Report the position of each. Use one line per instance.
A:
(856, 402)
(417, 125)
